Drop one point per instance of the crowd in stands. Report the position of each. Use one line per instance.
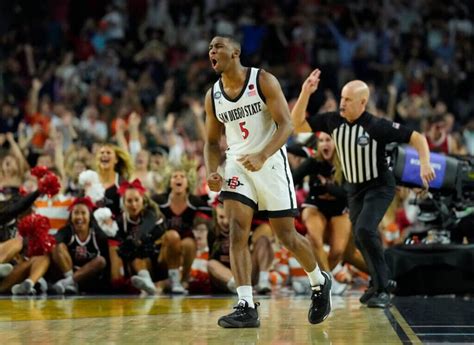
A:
(108, 96)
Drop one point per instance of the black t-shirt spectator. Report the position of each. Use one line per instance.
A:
(183, 222)
(83, 251)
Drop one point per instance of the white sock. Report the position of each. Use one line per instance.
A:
(68, 274)
(337, 269)
(245, 294)
(29, 283)
(231, 285)
(174, 275)
(144, 274)
(315, 277)
(69, 281)
(263, 278)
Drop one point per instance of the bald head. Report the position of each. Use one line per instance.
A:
(358, 88)
(354, 97)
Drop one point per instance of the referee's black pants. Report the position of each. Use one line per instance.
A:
(366, 209)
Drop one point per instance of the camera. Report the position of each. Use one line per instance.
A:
(450, 197)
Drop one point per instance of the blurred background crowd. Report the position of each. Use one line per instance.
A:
(75, 74)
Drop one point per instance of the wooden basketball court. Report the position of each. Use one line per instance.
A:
(192, 320)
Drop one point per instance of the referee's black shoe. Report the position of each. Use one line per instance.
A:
(242, 317)
(391, 286)
(379, 300)
(320, 301)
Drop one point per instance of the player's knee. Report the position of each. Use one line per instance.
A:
(287, 238)
(238, 225)
(238, 234)
(263, 242)
(238, 240)
(336, 255)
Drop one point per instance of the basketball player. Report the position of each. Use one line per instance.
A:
(250, 105)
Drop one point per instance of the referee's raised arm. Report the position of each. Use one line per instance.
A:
(298, 113)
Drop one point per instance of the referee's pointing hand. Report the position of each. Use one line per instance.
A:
(311, 83)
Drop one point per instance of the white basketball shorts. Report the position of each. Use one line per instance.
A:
(270, 191)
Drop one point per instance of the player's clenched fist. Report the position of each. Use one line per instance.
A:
(215, 181)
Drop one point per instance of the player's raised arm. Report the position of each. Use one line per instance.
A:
(298, 113)
(212, 153)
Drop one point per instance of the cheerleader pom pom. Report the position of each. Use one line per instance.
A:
(104, 218)
(39, 171)
(34, 226)
(95, 191)
(49, 185)
(88, 177)
(41, 246)
(109, 229)
(102, 214)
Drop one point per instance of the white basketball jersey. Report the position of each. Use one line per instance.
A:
(249, 125)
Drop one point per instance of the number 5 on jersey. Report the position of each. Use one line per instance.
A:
(245, 131)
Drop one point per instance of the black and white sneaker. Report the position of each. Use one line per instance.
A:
(370, 292)
(242, 317)
(320, 301)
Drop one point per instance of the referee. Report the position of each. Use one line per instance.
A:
(360, 140)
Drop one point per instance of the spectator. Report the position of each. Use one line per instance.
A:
(80, 251)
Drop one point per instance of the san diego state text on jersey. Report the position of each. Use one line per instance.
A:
(240, 112)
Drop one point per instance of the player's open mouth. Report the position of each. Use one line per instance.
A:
(214, 62)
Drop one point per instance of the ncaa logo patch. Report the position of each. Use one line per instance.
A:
(217, 94)
(363, 140)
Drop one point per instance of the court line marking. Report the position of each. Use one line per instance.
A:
(450, 334)
(411, 335)
(396, 327)
(443, 326)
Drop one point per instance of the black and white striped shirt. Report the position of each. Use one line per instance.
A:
(360, 145)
